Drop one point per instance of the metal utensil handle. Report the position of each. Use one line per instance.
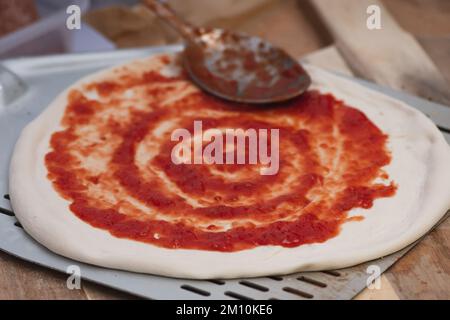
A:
(11, 87)
(164, 11)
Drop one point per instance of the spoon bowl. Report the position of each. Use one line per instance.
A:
(236, 66)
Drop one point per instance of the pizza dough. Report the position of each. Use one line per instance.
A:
(419, 167)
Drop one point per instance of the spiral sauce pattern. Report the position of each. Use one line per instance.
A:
(112, 161)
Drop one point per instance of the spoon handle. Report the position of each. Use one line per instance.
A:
(164, 11)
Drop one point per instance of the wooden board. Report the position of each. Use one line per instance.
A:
(24, 280)
(388, 56)
(424, 272)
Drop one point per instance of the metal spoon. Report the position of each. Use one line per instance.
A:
(235, 66)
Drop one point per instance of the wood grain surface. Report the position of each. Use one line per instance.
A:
(389, 56)
(424, 272)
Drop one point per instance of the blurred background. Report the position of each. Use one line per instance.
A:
(125, 23)
(36, 27)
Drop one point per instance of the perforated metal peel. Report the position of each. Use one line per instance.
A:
(44, 78)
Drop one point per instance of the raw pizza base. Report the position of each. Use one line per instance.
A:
(420, 167)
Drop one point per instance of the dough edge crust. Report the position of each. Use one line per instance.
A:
(47, 218)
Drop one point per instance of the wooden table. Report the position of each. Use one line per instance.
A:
(424, 273)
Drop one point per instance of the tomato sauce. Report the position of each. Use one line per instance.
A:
(112, 162)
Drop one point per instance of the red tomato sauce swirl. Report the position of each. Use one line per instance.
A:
(115, 169)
